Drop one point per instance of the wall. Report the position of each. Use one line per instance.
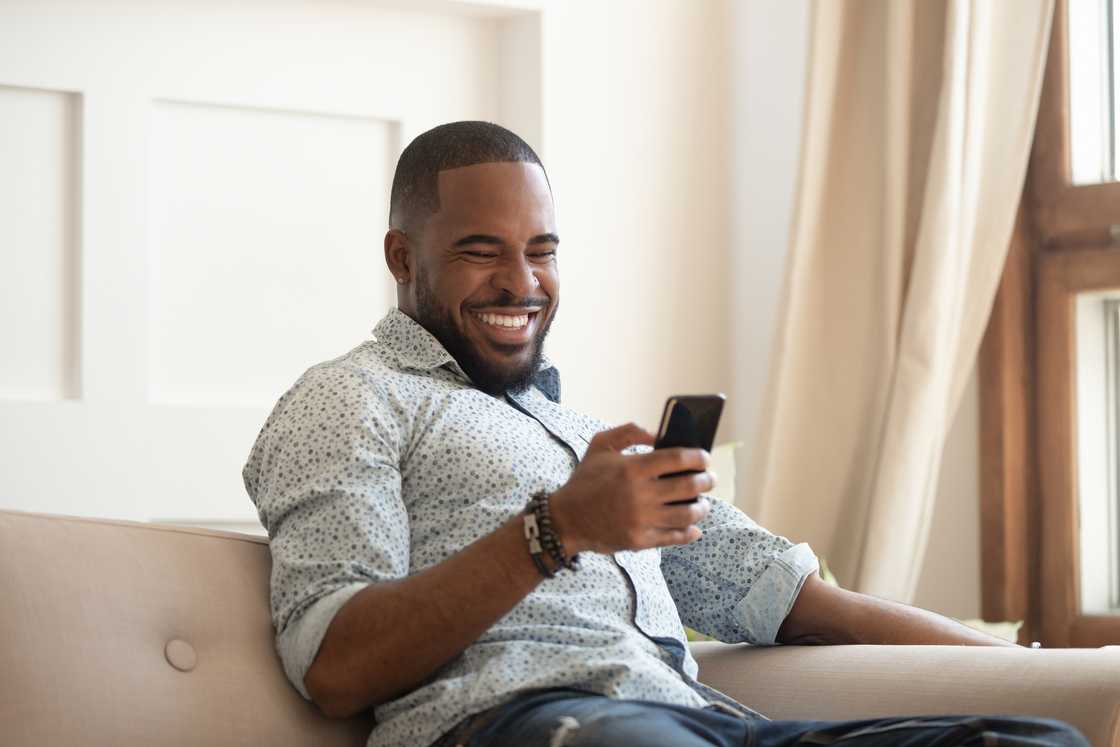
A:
(636, 123)
(770, 68)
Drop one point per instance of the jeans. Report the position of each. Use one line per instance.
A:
(570, 718)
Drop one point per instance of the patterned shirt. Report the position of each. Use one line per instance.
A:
(386, 461)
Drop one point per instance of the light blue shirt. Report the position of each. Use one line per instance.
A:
(386, 461)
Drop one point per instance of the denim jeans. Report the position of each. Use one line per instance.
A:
(569, 718)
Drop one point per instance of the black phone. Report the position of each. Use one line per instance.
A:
(689, 420)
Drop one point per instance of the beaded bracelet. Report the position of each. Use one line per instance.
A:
(550, 539)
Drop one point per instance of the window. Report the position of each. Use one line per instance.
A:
(1094, 99)
(1050, 361)
(1098, 384)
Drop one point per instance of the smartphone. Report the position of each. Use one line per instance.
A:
(689, 420)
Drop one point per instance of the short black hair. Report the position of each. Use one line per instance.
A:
(415, 193)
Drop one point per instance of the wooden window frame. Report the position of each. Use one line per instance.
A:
(1064, 242)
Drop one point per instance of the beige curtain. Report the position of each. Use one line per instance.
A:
(919, 120)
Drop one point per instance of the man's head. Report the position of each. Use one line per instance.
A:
(472, 243)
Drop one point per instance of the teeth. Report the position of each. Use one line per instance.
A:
(505, 320)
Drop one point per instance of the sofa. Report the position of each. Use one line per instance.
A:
(125, 633)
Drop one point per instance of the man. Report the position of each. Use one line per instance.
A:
(394, 483)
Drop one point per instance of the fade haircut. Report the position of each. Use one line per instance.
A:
(415, 194)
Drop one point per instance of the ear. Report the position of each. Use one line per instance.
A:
(398, 255)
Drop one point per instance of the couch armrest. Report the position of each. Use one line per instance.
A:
(1080, 686)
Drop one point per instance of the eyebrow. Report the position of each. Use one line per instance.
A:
(485, 238)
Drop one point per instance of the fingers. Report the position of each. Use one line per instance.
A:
(622, 437)
(683, 516)
(676, 525)
(662, 537)
(683, 487)
(667, 461)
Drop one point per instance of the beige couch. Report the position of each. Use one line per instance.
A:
(120, 633)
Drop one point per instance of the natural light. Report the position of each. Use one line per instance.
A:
(1094, 77)
(1098, 386)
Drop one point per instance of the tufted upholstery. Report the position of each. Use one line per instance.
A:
(89, 608)
(123, 633)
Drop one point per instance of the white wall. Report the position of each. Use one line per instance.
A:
(636, 126)
(770, 67)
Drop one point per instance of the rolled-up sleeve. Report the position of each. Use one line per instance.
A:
(738, 582)
(325, 479)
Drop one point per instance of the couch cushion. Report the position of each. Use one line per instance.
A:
(1080, 686)
(89, 610)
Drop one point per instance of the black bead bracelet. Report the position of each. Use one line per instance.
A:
(544, 536)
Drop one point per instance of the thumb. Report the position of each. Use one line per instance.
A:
(622, 437)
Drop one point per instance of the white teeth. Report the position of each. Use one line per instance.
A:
(505, 320)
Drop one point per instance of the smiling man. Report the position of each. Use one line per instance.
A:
(481, 565)
(485, 283)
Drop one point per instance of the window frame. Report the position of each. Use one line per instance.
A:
(1064, 215)
(1062, 276)
(1064, 242)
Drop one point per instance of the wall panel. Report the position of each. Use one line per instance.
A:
(265, 233)
(39, 254)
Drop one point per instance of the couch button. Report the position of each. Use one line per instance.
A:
(180, 655)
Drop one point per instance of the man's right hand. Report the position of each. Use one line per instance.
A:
(617, 501)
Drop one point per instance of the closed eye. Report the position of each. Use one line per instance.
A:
(472, 256)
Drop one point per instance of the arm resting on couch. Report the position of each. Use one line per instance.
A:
(826, 614)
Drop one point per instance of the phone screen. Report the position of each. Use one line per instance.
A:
(689, 421)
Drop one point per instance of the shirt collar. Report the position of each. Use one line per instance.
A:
(413, 345)
(417, 348)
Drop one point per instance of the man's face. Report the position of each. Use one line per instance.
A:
(486, 283)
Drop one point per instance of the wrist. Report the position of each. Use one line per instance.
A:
(539, 513)
(564, 525)
(520, 552)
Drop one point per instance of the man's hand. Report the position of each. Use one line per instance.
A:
(616, 501)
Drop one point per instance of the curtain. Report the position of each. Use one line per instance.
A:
(918, 126)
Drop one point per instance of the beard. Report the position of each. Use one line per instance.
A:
(493, 378)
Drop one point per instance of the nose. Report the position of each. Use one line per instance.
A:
(516, 276)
